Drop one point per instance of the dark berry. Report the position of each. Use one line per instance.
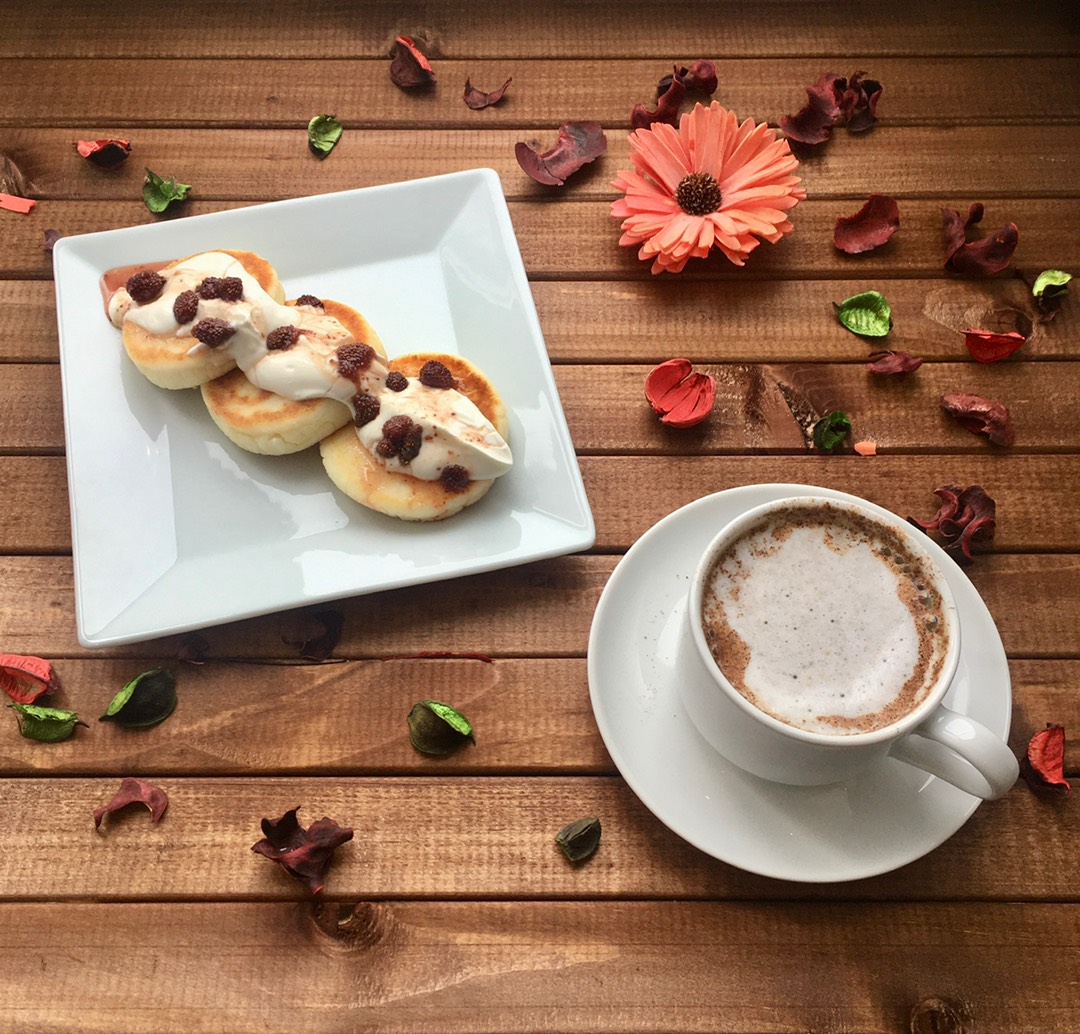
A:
(310, 299)
(385, 448)
(366, 407)
(455, 478)
(353, 359)
(281, 339)
(145, 286)
(396, 381)
(409, 446)
(231, 289)
(208, 288)
(397, 427)
(213, 332)
(185, 307)
(434, 374)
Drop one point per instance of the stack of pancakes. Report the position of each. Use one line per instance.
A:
(261, 421)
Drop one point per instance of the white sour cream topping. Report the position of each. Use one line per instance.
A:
(454, 430)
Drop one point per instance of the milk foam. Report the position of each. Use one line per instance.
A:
(824, 623)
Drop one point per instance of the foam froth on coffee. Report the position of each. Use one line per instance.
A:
(826, 620)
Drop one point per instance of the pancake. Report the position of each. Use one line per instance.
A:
(263, 422)
(164, 359)
(354, 471)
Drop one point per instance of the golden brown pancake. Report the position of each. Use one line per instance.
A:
(270, 424)
(354, 471)
(165, 361)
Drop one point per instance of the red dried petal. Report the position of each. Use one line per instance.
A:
(980, 415)
(410, 67)
(870, 227)
(988, 347)
(1044, 765)
(859, 102)
(976, 258)
(24, 679)
(965, 514)
(814, 123)
(107, 153)
(579, 143)
(893, 362)
(699, 77)
(135, 791)
(303, 853)
(477, 99)
(682, 396)
(667, 107)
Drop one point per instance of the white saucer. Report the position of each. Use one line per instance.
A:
(639, 652)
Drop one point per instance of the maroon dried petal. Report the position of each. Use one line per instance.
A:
(965, 514)
(107, 153)
(667, 108)
(983, 257)
(579, 143)
(988, 347)
(477, 99)
(320, 647)
(1043, 765)
(51, 237)
(303, 853)
(870, 227)
(193, 649)
(859, 102)
(410, 67)
(135, 791)
(814, 123)
(893, 362)
(980, 415)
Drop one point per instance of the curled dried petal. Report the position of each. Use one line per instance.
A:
(1044, 763)
(859, 102)
(870, 227)
(865, 448)
(107, 153)
(23, 678)
(579, 143)
(477, 99)
(303, 853)
(984, 257)
(410, 67)
(135, 791)
(893, 362)
(988, 347)
(667, 107)
(980, 415)
(682, 396)
(813, 124)
(965, 514)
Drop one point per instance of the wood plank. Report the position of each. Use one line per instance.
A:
(264, 164)
(542, 609)
(580, 241)
(331, 28)
(480, 837)
(1026, 488)
(728, 321)
(229, 93)
(532, 716)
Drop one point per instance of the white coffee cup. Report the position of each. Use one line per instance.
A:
(755, 731)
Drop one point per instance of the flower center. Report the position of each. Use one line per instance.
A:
(698, 194)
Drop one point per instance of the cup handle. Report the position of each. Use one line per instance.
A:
(960, 751)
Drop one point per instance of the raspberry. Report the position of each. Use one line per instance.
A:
(455, 478)
(367, 408)
(396, 428)
(409, 446)
(434, 374)
(309, 299)
(281, 339)
(185, 307)
(385, 448)
(354, 359)
(145, 286)
(396, 381)
(213, 332)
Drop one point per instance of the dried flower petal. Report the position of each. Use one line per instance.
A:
(159, 193)
(680, 395)
(937, 1016)
(976, 258)
(147, 699)
(700, 77)
(107, 153)
(831, 430)
(667, 107)
(135, 791)
(859, 102)
(410, 67)
(477, 99)
(1049, 291)
(866, 448)
(320, 647)
(579, 840)
(965, 514)
(1044, 763)
(870, 227)
(303, 853)
(51, 237)
(866, 313)
(579, 143)
(193, 649)
(893, 362)
(813, 124)
(12, 179)
(45, 724)
(323, 131)
(980, 415)
(16, 204)
(24, 679)
(437, 728)
(988, 347)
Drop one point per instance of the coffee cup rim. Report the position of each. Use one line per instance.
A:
(895, 729)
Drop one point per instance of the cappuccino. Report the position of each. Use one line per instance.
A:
(826, 619)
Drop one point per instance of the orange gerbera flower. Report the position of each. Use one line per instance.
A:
(711, 183)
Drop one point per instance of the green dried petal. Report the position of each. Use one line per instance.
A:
(159, 193)
(580, 839)
(1051, 282)
(147, 699)
(867, 314)
(45, 724)
(323, 131)
(831, 430)
(437, 728)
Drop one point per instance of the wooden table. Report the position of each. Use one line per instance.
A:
(452, 909)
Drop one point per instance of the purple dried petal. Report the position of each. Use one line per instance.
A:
(579, 143)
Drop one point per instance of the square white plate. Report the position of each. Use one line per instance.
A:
(175, 528)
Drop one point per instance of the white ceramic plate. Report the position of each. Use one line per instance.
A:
(175, 528)
(640, 653)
